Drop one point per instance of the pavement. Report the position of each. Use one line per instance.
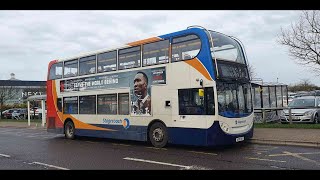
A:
(33, 125)
(274, 136)
(287, 136)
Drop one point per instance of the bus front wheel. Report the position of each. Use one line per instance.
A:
(69, 130)
(158, 135)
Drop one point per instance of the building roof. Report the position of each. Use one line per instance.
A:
(22, 83)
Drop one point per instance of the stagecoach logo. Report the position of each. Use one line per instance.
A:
(125, 122)
(240, 122)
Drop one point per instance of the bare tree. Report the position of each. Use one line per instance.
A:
(251, 71)
(305, 82)
(303, 39)
(6, 93)
(303, 85)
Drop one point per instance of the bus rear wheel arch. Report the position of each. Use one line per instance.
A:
(69, 129)
(158, 134)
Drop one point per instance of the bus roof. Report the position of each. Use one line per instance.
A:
(196, 30)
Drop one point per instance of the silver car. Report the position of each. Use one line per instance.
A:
(304, 109)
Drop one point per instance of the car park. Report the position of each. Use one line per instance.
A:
(304, 109)
(36, 112)
(7, 114)
(19, 113)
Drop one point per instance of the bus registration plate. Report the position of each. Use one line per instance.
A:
(238, 139)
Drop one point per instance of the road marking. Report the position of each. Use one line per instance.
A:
(157, 162)
(116, 144)
(286, 153)
(4, 155)
(297, 155)
(40, 133)
(214, 154)
(23, 134)
(157, 148)
(199, 168)
(7, 130)
(265, 159)
(277, 167)
(48, 165)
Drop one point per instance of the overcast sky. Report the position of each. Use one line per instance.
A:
(30, 39)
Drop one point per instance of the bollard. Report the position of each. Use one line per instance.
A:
(290, 116)
(263, 116)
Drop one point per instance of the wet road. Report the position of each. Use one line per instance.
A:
(22, 148)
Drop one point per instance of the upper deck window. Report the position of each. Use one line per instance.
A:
(56, 71)
(156, 53)
(129, 58)
(225, 48)
(186, 47)
(107, 61)
(87, 65)
(70, 68)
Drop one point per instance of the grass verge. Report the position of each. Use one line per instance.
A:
(278, 125)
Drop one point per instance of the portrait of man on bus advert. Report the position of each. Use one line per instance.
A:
(141, 102)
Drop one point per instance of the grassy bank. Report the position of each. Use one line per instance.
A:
(278, 125)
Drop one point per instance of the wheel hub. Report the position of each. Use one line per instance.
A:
(70, 130)
(157, 134)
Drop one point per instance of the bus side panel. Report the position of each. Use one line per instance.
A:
(187, 136)
(216, 137)
(136, 133)
(213, 136)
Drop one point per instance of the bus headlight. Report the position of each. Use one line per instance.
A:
(224, 127)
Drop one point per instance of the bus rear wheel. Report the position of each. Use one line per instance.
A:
(69, 130)
(158, 135)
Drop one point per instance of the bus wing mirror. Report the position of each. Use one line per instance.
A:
(201, 92)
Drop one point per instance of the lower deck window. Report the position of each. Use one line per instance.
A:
(191, 103)
(70, 105)
(107, 104)
(124, 103)
(87, 105)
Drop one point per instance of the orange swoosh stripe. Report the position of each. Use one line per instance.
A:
(55, 96)
(195, 62)
(81, 125)
(144, 41)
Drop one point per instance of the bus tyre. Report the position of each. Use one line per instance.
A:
(69, 130)
(158, 135)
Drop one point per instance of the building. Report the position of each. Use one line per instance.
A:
(15, 91)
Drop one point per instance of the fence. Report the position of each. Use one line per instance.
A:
(264, 115)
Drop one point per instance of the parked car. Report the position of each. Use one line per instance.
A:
(36, 112)
(19, 114)
(3, 112)
(305, 109)
(8, 113)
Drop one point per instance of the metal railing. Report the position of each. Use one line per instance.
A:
(264, 110)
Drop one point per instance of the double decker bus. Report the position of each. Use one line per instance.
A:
(190, 87)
